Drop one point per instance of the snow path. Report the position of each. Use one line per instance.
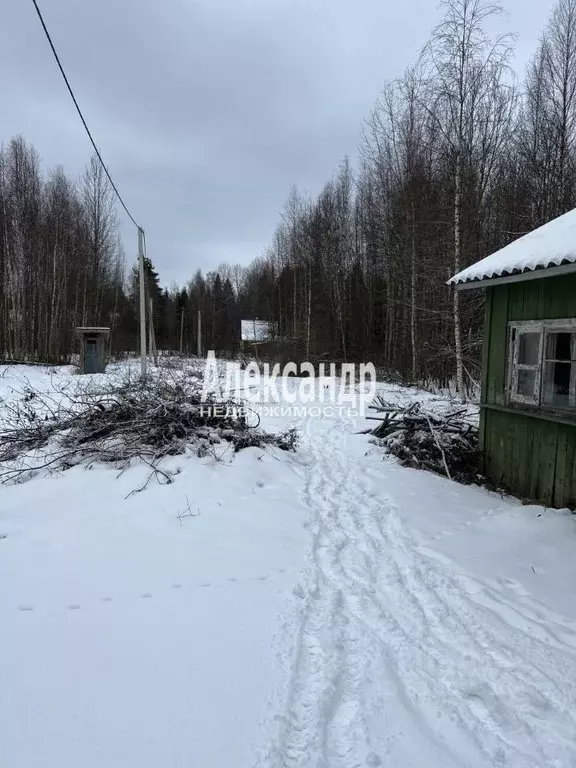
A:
(403, 660)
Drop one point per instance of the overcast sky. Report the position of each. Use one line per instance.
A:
(206, 111)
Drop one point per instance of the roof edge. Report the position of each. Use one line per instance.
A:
(528, 274)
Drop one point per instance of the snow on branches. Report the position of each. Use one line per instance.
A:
(120, 422)
(442, 441)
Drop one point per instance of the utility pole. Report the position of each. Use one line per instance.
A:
(199, 333)
(152, 335)
(142, 303)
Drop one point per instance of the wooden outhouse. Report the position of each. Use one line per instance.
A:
(93, 349)
(528, 401)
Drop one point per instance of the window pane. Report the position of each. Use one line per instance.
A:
(526, 383)
(559, 346)
(529, 347)
(557, 384)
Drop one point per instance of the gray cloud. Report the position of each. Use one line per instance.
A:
(207, 111)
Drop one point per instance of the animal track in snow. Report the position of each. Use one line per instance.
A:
(175, 585)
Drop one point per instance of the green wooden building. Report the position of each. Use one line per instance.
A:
(528, 402)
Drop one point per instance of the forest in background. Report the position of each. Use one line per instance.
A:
(457, 158)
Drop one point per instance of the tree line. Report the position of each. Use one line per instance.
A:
(62, 266)
(457, 158)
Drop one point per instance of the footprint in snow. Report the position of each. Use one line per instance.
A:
(514, 586)
(107, 599)
(74, 607)
(145, 595)
(25, 607)
(176, 586)
(206, 584)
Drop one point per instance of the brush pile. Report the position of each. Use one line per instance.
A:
(123, 422)
(444, 441)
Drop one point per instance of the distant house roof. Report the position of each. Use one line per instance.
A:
(256, 330)
(96, 329)
(552, 245)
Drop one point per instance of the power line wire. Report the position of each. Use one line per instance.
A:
(71, 92)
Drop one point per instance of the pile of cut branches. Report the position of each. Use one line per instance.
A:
(119, 423)
(444, 441)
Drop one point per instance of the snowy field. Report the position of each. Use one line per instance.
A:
(322, 609)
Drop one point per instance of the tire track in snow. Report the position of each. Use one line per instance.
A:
(394, 654)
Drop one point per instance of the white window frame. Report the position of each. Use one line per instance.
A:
(544, 328)
(516, 367)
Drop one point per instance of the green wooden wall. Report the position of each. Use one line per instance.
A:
(531, 455)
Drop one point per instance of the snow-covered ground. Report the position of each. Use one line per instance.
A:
(323, 609)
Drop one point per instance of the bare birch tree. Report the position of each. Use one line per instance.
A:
(466, 70)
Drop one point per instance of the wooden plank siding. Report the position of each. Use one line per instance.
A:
(497, 346)
(530, 455)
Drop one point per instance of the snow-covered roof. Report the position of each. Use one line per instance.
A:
(551, 245)
(256, 330)
(96, 329)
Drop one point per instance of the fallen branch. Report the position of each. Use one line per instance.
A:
(439, 447)
(121, 423)
(443, 440)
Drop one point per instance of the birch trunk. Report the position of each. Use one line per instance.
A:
(456, 295)
(309, 313)
(294, 318)
(413, 300)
